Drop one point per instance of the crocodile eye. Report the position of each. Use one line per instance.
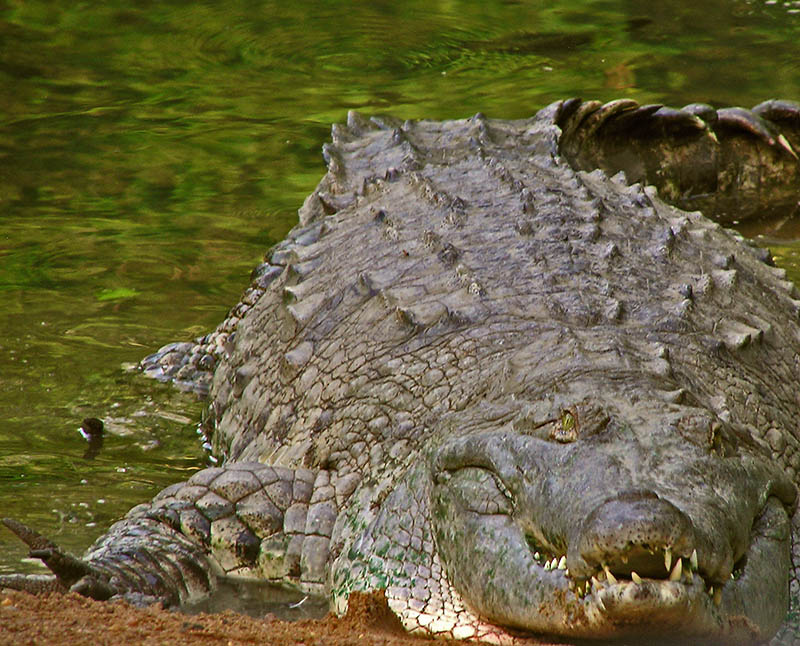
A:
(562, 424)
(565, 429)
(477, 490)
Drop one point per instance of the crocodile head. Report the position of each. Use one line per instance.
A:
(598, 517)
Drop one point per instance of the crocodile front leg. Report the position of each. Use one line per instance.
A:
(165, 567)
(248, 520)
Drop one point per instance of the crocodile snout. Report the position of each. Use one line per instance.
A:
(633, 532)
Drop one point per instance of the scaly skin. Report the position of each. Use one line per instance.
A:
(524, 399)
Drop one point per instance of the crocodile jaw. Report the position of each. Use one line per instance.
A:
(547, 600)
(568, 566)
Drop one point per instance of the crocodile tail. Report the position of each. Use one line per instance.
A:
(730, 163)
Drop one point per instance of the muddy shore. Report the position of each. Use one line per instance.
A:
(27, 620)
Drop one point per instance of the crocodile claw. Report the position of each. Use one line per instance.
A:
(706, 112)
(784, 114)
(697, 156)
(71, 573)
(749, 121)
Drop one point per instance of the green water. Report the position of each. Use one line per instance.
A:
(150, 153)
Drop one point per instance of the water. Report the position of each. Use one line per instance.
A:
(149, 154)
(258, 598)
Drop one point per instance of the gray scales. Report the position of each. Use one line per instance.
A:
(522, 395)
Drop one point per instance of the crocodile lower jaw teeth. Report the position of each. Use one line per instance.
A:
(680, 569)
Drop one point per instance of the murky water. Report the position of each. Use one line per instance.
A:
(151, 152)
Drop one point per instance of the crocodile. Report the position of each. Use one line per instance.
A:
(509, 373)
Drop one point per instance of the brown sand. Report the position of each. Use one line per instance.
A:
(27, 620)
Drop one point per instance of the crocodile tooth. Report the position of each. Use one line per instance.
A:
(675, 575)
(668, 559)
(600, 603)
(711, 591)
(554, 563)
(537, 556)
(635, 577)
(611, 578)
(562, 564)
(547, 566)
(596, 585)
(693, 559)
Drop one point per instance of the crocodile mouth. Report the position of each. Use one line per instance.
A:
(632, 565)
(645, 590)
(676, 601)
(617, 600)
(675, 570)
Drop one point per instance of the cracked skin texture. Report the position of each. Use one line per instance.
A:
(519, 397)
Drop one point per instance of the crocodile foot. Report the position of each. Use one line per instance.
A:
(69, 573)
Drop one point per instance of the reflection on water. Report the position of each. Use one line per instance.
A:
(149, 155)
(258, 599)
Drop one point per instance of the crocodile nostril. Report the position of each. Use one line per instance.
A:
(631, 533)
